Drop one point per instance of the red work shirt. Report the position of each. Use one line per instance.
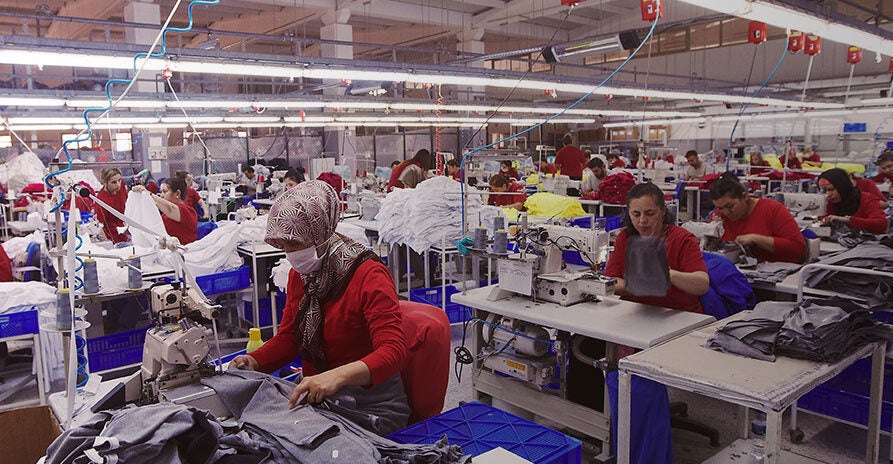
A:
(869, 188)
(791, 162)
(813, 158)
(549, 168)
(5, 266)
(395, 175)
(363, 324)
(869, 217)
(192, 197)
(772, 219)
(762, 168)
(570, 161)
(618, 163)
(457, 175)
(506, 199)
(186, 228)
(883, 177)
(683, 254)
(511, 173)
(109, 222)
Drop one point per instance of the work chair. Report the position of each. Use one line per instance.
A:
(426, 371)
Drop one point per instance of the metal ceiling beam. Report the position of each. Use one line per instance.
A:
(99, 9)
(521, 10)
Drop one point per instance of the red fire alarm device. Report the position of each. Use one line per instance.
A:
(652, 9)
(570, 2)
(757, 32)
(853, 54)
(795, 41)
(812, 45)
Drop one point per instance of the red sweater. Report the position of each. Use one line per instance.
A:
(5, 266)
(869, 217)
(683, 254)
(192, 197)
(109, 222)
(882, 177)
(363, 324)
(770, 218)
(869, 188)
(186, 229)
(395, 175)
(570, 160)
(505, 199)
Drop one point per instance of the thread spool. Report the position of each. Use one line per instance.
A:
(63, 310)
(134, 273)
(480, 238)
(500, 242)
(91, 276)
(523, 222)
(498, 223)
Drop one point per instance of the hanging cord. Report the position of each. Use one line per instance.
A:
(188, 118)
(784, 53)
(849, 83)
(808, 73)
(556, 115)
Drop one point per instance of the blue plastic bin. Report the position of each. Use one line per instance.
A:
(19, 323)
(432, 296)
(227, 281)
(611, 222)
(478, 428)
(116, 350)
(266, 317)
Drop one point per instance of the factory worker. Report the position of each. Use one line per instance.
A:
(292, 178)
(696, 168)
(614, 160)
(647, 217)
(868, 187)
(179, 219)
(848, 206)
(341, 312)
(454, 169)
(885, 164)
(759, 166)
(114, 194)
(511, 193)
(248, 178)
(193, 199)
(422, 162)
(597, 172)
(506, 169)
(764, 226)
(570, 160)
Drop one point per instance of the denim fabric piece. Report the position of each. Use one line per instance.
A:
(877, 290)
(647, 272)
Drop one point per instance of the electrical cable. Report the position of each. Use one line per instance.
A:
(185, 115)
(556, 115)
(744, 107)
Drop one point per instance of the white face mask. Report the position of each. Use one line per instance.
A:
(304, 261)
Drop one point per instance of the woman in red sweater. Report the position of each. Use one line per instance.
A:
(765, 226)
(422, 159)
(341, 309)
(847, 205)
(180, 220)
(114, 194)
(647, 217)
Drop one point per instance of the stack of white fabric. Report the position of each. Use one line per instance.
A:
(430, 214)
(22, 170)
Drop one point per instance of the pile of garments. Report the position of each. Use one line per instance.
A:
(849, 238)
(613, 188)
(824, 330)
(876, 290)
(430, 214)
(263, 430)
(770, 272)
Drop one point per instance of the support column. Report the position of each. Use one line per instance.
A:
(149, 146)
(470, 41)
(340, 141)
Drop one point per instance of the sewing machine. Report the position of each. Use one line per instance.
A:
(176, 354)
(539, 270)
(709, 235)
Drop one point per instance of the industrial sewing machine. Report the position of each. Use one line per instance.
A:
(176, 354)
(807, 208)
(539, 269)
(709, 235)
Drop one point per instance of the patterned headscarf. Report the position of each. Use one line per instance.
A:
(307, 215)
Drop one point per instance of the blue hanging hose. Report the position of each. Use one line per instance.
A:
(570, 107)
(81, 344)
(108, 87)
(784, 53)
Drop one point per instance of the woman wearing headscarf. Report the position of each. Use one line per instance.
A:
(847, 205)
(341, 312)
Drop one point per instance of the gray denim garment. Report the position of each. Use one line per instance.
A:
(770, 272)
(647, 272)
(755, 336)
(309, 434)
(877, 290)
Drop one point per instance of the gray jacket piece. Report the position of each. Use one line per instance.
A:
(878, 291)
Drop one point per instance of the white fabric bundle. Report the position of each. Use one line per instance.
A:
(141, 208)
(22, 170)
(23, 296)
(16, 245)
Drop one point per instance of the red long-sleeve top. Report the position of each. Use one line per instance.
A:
(186, 229)
(570, 161)
(683, 254)
(109, 222)
(363, 324)
(882, 177)
(869, 188)
(770, 218)
(5, 266)
(515, 194)
(869, 217)
(395, 175)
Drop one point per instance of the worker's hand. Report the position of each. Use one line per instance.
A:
(833, 218)
(315, 388)
(138, 188)
(747, 239)
(244, 361)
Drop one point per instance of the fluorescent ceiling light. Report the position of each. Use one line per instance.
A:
(126, 103)
(31, 102)
(878, 101)
(753, 117)
(161, 126)
(81, 60)
(191, 119)
(253, 119)
(785, 17)
(105, 126)
(41, 127)
(308, 119)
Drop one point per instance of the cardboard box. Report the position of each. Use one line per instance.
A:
(26, 433)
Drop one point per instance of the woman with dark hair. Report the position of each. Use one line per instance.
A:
(847, 205)
(647, 216)
(764, 225)
(570, 160)
(180, 220)
(422, 160)
(114, 194)
(508, 194)
(506, 169)
(193, 199)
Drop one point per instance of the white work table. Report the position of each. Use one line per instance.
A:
(770, 387)
(614, 321)
(259, 250)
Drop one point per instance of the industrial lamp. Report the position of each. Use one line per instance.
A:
(626, 40)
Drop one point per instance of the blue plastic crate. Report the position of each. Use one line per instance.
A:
(846, 396)
(266, 317)
(478, 428)
(432, 296)
(221, 282)
(116, 350)
(20, 323)
(611, 222)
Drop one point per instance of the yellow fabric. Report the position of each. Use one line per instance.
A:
(511, 214)
(533, 179)
(551, 205)
(773, 161)
(848, 167)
